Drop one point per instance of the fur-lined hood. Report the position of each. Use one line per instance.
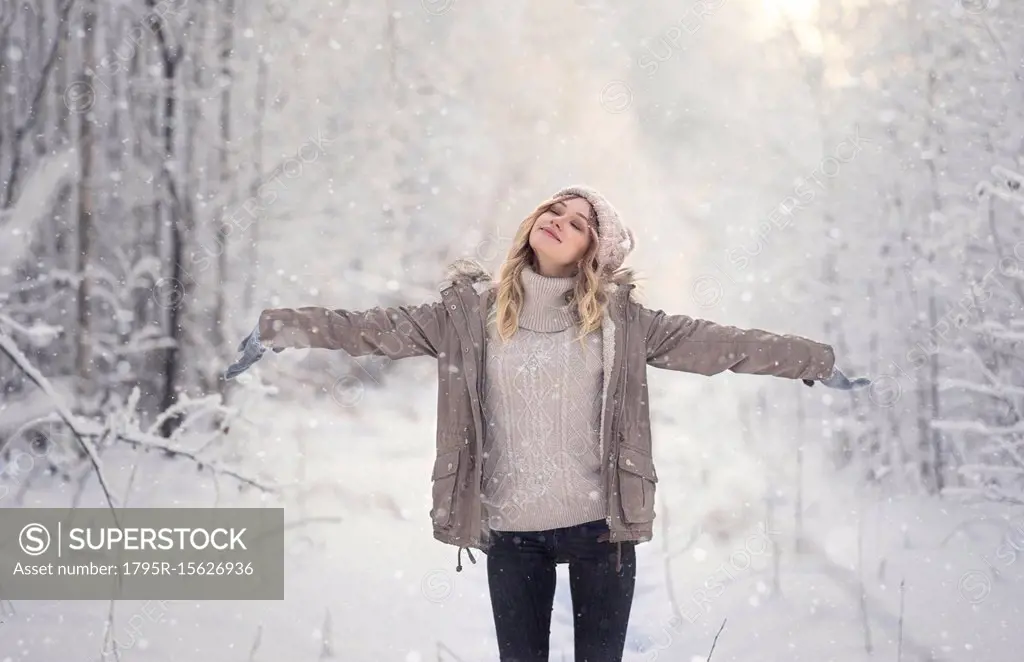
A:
(469, 270)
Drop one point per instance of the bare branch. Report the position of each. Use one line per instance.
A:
(8, 347)
(84, 430)
(716, 640)
(29, 123)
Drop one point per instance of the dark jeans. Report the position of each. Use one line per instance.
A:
(521, 578)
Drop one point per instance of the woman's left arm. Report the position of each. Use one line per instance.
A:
(678, 342)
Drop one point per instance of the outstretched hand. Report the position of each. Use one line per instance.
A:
(252, 351)
(840, 381)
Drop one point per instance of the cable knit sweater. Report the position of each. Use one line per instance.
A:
(542, 402)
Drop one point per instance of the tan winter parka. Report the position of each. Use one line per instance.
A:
(453, 331)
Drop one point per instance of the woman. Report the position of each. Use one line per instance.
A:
(543, 432)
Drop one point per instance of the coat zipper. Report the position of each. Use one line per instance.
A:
(481, 379)
(477, 413)
(618, 412)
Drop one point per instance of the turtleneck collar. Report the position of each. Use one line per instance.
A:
(545, 308)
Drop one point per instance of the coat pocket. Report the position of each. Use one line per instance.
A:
(637, 481)
(445, 478)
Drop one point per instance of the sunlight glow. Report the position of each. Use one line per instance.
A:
(798, 16)
(799, 11)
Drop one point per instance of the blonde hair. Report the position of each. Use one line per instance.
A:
(588, 291)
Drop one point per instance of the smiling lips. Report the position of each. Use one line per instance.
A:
(550, 232)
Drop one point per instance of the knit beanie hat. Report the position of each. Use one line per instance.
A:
(615, 240)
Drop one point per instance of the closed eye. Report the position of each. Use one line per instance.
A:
(578, 222)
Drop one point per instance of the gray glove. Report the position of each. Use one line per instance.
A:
(840, 381)
(252, 351)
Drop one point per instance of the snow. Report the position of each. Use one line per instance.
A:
(370, 566)
(17, 224)
(434, 128)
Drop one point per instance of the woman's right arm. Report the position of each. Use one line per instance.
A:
(398, 332)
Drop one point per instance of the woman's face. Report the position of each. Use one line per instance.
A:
(561, 236)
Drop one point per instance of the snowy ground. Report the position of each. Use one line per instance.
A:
(374, 585)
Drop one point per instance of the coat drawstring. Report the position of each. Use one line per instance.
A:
(618, 558)
(458, 566)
